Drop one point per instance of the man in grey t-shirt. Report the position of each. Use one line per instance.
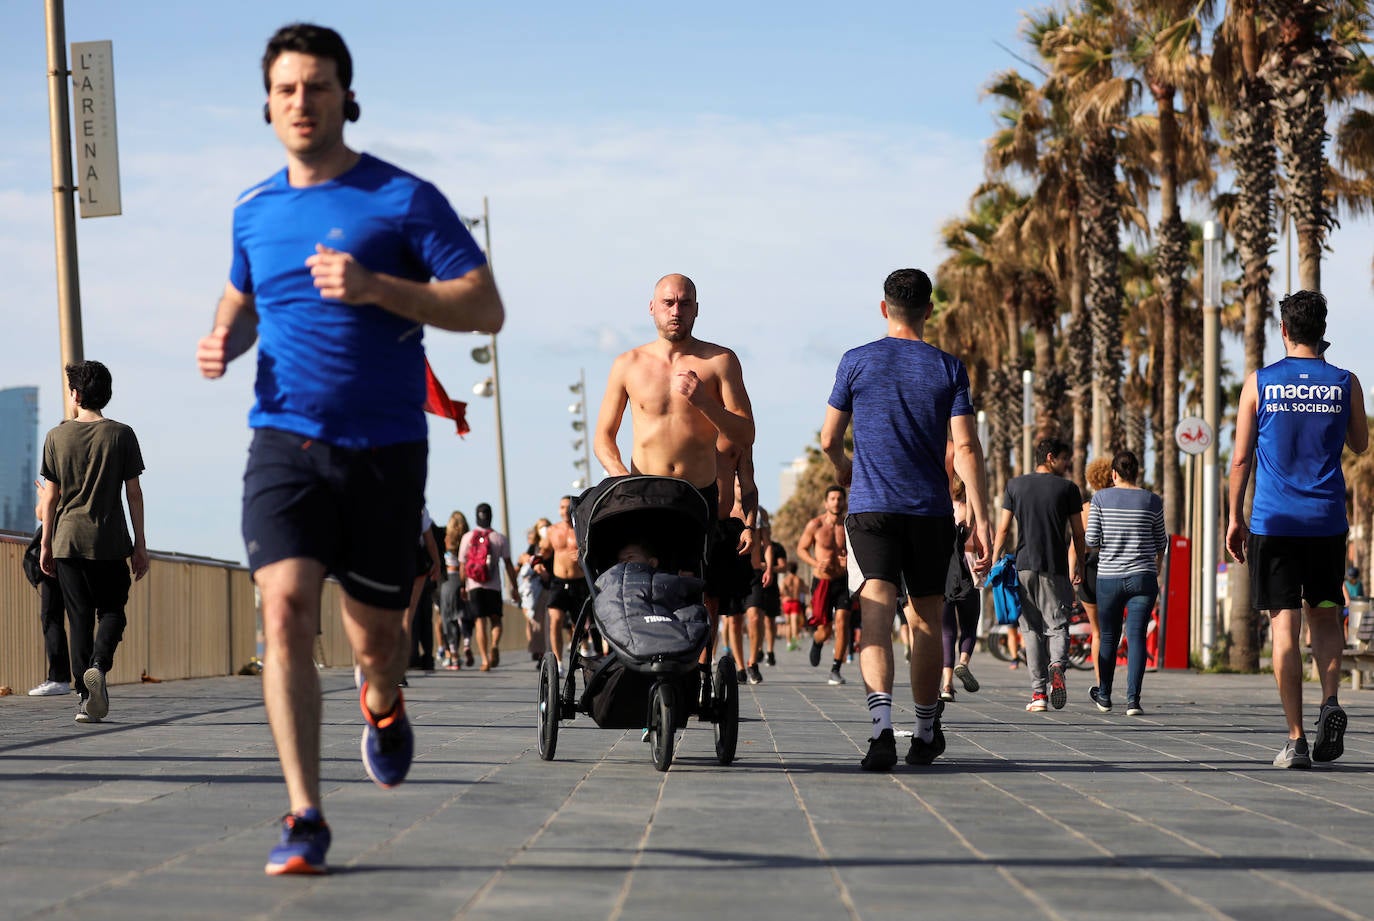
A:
(87, 460)
(1048, 509)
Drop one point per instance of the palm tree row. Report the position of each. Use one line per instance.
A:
(1126, 109)
(1132, 106)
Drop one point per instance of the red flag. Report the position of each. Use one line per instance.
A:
(438, 403)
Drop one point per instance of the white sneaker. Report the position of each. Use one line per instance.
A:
(51, 689)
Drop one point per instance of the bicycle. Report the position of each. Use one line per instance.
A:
(1080, 641)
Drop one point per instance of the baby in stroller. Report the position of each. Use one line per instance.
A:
(644, 613)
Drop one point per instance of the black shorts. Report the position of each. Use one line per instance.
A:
(1286, 571)
(357, 511)
(890, 547)
(568, 595)
(485, 602)
(743, 595)
(1087, 589)
(727, 573)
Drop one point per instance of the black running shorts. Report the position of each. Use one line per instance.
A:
(891, 547)
(1286, 571)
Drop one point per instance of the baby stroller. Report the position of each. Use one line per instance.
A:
(650, 619)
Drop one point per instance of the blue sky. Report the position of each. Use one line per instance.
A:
(786, 156)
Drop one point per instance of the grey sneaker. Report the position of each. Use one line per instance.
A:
(84, 716)
(1294, 755)
(98, 704)
(1330, 741)
(835, 677)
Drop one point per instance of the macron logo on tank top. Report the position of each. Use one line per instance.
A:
(1304, 398)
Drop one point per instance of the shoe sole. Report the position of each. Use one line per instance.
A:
(98, 704)
(1032, 708)
(963, 674)
(1330, 742)
(295, 866)
(1059, 693)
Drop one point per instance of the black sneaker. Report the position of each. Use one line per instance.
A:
(963, 674)
(1330, 741)
(771, 659)
(882, 752)
(1133, 708)
(1104, 703)
(923, 752)
(815, 654)
(755, 676)
(1293, 755)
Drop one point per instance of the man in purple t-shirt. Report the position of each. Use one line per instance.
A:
(904, 397)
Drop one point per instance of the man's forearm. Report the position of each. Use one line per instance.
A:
(1240, 478)
(467, 304)
(736, 427)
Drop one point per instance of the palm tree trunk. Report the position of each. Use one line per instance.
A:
(1080, 345)
(1171, 262)
(1101, 208)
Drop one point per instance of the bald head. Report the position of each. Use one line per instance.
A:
(677, 282)
(674, 307)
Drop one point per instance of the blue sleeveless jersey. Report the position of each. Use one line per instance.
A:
(1303, 411)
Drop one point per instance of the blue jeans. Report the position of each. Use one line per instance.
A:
(1134, 597)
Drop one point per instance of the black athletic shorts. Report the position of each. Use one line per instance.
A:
(1286, 571)
(1087, 589)
(356, 510)
(485, 602)
(727, 573)
(567, 595)
(890, 547)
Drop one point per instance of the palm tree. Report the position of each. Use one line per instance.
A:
(1302, 66)
(1099, 98)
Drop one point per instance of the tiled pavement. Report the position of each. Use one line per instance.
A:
(168, 809)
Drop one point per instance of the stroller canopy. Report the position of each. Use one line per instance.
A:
(667, 515)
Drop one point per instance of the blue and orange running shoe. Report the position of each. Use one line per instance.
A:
(388, 742)
(304, 840)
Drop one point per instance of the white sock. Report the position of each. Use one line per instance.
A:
(880, 709)
(925, 721)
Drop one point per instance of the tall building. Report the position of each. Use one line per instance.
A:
(787, 480)
(18, 457)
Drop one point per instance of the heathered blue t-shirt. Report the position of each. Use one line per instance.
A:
(902, 394)
(1302, 415)
(348, 375)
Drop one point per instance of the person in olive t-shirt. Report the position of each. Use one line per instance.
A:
(1048, 509)
(86, 461)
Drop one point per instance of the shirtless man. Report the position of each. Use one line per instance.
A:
(683, 395)
(823, 548)
(568, 590)
(734, 555)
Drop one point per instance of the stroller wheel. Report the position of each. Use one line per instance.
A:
(548, 706)
(661, 724)
(726, 723)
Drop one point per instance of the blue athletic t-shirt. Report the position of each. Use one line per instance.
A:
(348, 375)
(1302, 414)
(902, 394)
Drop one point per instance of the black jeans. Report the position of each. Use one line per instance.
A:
(422, 630)
(95, 592)
(51, 614)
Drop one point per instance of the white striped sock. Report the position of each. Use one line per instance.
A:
(880, 709)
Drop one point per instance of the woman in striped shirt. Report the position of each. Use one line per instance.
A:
(1126, 525)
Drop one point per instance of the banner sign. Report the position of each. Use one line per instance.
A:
(93, 135)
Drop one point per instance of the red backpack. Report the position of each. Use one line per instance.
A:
(477, 566)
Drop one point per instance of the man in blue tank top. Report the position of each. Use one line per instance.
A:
(906, 399)
(1294, 418)
(339, 262)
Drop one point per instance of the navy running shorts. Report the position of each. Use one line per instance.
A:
(356, 510)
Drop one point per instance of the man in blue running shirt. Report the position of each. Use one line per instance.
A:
(339, 262)
(906, 398)
(1294, 419)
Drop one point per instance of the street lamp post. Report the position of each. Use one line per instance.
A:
(1211, 414)
(583, 441)
(1027, 418)
(485, 222)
